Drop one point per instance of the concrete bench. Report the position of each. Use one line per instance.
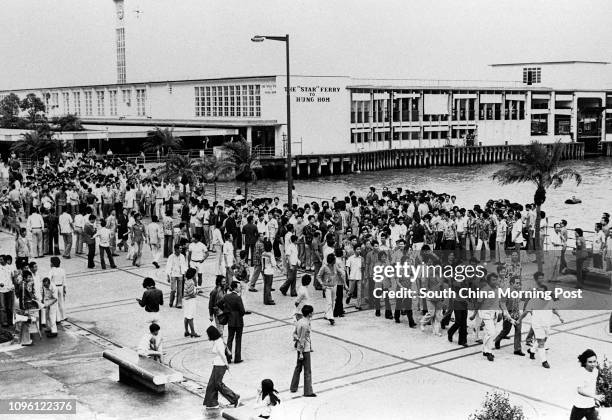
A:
(142, 370)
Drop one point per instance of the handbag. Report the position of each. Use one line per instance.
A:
(223, 318)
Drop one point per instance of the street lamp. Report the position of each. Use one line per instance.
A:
(285, 39)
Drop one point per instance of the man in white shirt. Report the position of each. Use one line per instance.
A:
(599, 243)
(196, 255)
(57, 275)
(35, 225)
(7, 296)
(155, 233)
(291, 252)
(354, 265)
(78, 225)
(176, 267)
(500, 239)
(66, 229)
(104, 237)
(227, 252)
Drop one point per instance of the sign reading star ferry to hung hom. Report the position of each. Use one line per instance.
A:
(306, 94)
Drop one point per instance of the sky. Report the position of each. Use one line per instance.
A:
(72, 42)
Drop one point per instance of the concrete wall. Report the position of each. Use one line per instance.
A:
(561, 76)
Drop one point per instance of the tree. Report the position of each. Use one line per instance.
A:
(68, 122)
(162, 140)
(180, 168)
(240, 155)
(36, 145)
(33, 105)
(9, 109)
(213, 167)
(538, 165)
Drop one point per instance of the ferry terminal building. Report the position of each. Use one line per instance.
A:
(569, 101)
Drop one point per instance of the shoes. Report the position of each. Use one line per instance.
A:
(377, 313)
(187, 334)
(479, 341)
(463, 344)
(195, 335)
(293, 391)
(545, 365)
(156, 264)
(348, 300)
(497, 345)
(293, 295)
(113, 266)
(489, 357)
(252, 290)
(179, 306)
(270, 303)
(310, 395)
(51, 335)
(531, 354)
(358, 308)
(273, 289)
(284, 292)
(519, 353)
(248, 312)
(171, 304)
(238, 361)
(450, 337)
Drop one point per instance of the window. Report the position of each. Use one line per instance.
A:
(608, 123)
(257, 102)
(228, 101)
(126, 96)
(100, 102)
(88, 103)
(76, 99)
(225, 101)
(532, 75)
(232, 97)
(251, 101)
(141, 99)
(539, 104)
(539, 125)
(238, 101)
(55, 100)
(66, 100)
(562, 124)
(112, 96)
(120, 55)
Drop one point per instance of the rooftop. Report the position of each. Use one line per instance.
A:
(549, 62)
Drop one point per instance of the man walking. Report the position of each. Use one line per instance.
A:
(259, 250)
(89, 232)
(232, 303)
(301, 338)
(35, 225)
(291, 251)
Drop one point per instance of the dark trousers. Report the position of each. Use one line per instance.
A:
(6, 308)
(250, 251)
(584, 413)
(317, 283)
(91, 253)
(459, 325)
(168, 245)
(295, 381)
(517, 334)
(579, 272)
(267, 292)
(339, 307)
(290, 282)
(237, 332)
(216, 386)
(109, 254)
(54, 242)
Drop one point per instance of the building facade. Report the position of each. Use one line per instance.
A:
(339, 114)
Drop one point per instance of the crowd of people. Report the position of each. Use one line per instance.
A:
(336, 245)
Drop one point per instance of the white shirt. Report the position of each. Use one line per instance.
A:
(303, 298)
(104, 235)
(218, 349)
(517, 232)
(176, 266)
(291, 251)
(198, 250)
(228, 254)
(598, 241)
(354, 264)
(57, 275)
(587, 381)
(5, 279)
(65, 223)
(35, 221)
(79, 221)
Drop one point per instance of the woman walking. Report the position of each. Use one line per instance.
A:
(220, 366)
(586, 379)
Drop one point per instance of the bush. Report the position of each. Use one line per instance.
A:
(496, 406)
(604, 382)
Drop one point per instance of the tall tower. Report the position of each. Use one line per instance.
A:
(120, 41)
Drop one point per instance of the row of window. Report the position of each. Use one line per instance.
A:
(368, 136)
(228, 101)
(539, 125)
(120, 55)
(532, 75)
(74, 106)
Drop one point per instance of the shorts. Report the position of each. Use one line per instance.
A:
(189, 308)
(487, 314)
(199, 266)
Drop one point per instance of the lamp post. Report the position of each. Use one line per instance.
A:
(285, 39)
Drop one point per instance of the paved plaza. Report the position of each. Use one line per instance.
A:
(364, 367)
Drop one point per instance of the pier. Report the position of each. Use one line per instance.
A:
(309, 166)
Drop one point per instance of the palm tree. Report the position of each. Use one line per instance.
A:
(34, 144)
(162, 140)
(180, 167)
(539, 165)
(240, 155)
(213, 167)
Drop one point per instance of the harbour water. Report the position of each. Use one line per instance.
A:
(471, 184)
